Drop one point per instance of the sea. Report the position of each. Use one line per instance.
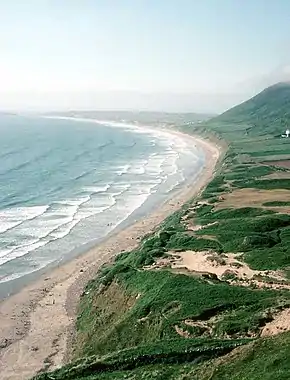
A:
(66, 184)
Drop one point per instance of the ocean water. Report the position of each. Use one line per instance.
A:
(64, 183)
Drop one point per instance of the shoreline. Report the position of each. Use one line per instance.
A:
(51, 301)
(13, 286)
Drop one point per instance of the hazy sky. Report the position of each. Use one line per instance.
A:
(116, 53)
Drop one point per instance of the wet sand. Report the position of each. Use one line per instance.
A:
(37, 323)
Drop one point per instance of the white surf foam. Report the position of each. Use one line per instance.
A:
(41, 225)
(154, 165)
(96, 189)
(64, 229)
(12, 217)
(122, 169)
(20, 251)
(138, 167)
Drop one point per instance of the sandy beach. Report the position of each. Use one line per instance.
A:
(37, 323)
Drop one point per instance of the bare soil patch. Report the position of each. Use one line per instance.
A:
(279, 163)
(280, 324)
(181, 332)
(226, 267)
(278, 175)
(252, 198)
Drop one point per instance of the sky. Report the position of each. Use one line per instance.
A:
(173, 55)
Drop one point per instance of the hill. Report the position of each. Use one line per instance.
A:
(206, 295)
(267, 112)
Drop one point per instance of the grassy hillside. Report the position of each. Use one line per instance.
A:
(267, 112)
(207, 295)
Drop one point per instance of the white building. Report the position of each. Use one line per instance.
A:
(287, 133)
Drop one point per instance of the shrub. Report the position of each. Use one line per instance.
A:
(182, 241)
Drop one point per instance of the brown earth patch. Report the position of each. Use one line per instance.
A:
(280, 323)
(226, 267)
(181, 332)
(209, 262)
(196, 227)
(206, 325)
(253, 198)
(279, 209)
(209, 237)
(279, 163)
(278, 175)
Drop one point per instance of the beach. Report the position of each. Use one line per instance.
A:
(67, 183)
(37, 322)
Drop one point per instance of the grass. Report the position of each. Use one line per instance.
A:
(266, 359)
(143, 307)
(174, 352)
(246, 172)
(259, 233)
(254, 231)
(182, 242)
(264, 184)
(215, 187)
(276, 203)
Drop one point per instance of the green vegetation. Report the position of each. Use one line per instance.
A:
(276, 203)
(162, 304)
(139, 319)
(245, 172)
(265, 184)
(174, 352)
(266, 359)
